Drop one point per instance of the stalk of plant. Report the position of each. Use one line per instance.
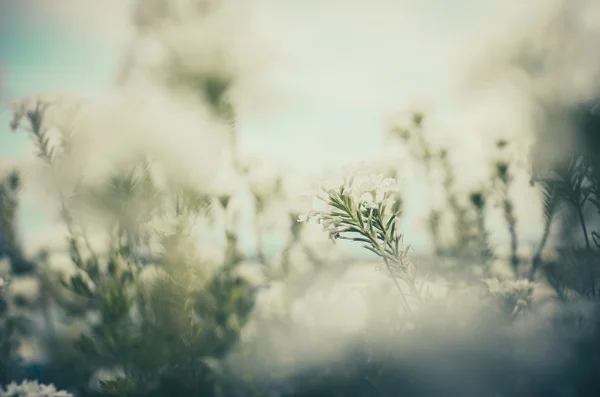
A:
(550, 203)
(364, 218)
(478, 202)
(259, 206)
(262, 198)
(423, 153)
(433, 223)
(232, 252)
(461, 221)
(294, 240)
(503, 175)
(593, 176)
(421, 150)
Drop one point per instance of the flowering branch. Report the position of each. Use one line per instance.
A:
(367, 211)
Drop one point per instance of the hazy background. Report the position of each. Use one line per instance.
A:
(318, 82)
(316, 85)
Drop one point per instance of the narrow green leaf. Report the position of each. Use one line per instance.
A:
(373, 250)
(362, 240)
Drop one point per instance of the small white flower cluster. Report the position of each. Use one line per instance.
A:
(32, 389)
(328, 223)
(510, 287)
(357, 194)
(368, 190)
(104, 375)
(4, 281)
(514, 294)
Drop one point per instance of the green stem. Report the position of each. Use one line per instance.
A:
(404, 300)
(537, 258)
(588, 248)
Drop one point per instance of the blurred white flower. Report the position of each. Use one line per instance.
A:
(509, 287)
(409, 326)
(32, 389)
(264, 178)
(226, 182)
(105, 374)
(25, 287)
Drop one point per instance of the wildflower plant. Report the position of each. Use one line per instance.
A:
(436, 160)
(162, 333)
(503, 180)
(8, 342)
(571, 182)
(366, 210)
(16, 311)
(550, 204)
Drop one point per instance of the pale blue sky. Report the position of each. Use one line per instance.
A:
(44, 57)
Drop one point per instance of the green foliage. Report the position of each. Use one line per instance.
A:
(10, 246)
(15, 324)
(550, 204)
(573, 183)
(14, 309)
(160, 332)
(362, 216)
(167, 335)
(478, 202)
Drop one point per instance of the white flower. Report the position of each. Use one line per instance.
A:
(264, 179)
(368, 191)
(227, 182)
(330, 222)
(310, 215)
(375, 187)
(346, 202)
(32, 389)
(105, 374)
(519, 306)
